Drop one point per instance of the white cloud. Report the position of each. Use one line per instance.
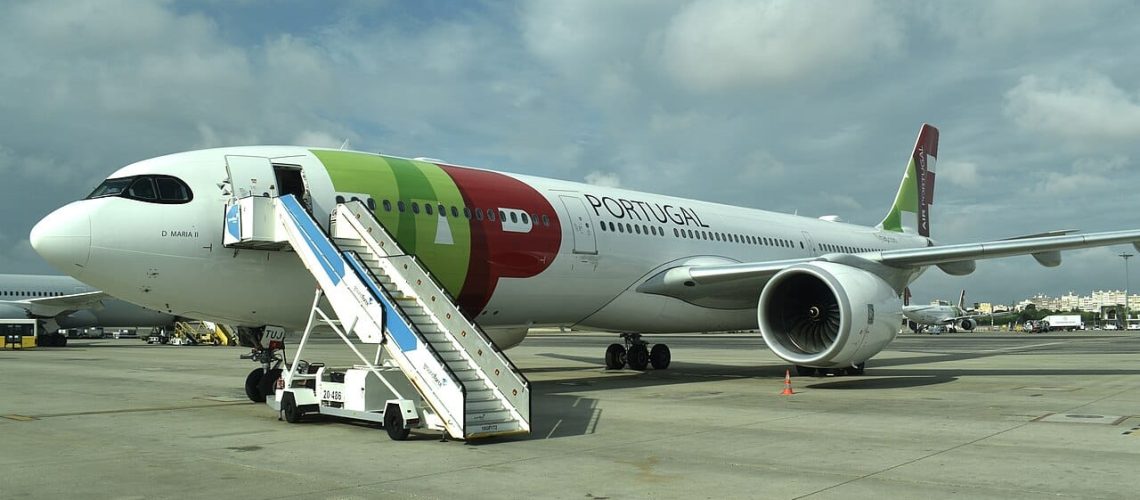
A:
(604, 179)
(959, 173)
(727, 44)
(1088, 175)
(318, 139)
(985, 25)
(1087, 109)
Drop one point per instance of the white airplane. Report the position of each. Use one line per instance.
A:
(942, 314)
(62, 302)
(520, 251)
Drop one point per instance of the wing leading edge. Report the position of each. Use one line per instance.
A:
(698, 283)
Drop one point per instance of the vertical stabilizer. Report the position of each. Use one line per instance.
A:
(962, 301)
(911, 211)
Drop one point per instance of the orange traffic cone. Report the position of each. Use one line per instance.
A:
(787, 384)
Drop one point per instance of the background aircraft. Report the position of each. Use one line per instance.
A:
(947, 315)
(519, 251)
(62, 302)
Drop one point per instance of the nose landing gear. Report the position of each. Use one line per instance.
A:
(637, 354)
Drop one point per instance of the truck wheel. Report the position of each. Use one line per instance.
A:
(289, 407)
(253, 386)
(394, 423)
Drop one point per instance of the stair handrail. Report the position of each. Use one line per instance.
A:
(358, 225)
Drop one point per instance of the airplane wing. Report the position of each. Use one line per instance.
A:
(700, 283)
(53, 306)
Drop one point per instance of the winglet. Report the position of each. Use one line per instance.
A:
(910, 212)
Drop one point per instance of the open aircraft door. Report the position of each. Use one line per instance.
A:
(584, 239)
(251, 176)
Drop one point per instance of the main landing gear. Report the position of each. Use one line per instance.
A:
(637, 354)
(808, 371)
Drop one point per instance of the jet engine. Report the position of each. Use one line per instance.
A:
(828, 315)
(967, 324)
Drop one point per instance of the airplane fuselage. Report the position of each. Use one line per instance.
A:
(516, 251)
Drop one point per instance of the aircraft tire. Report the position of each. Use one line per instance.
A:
(615, 357)
(638, 357)
(267, 381)
(659, 356)
(394, 424)
(253, 386)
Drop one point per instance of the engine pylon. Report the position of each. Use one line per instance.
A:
(787, 384)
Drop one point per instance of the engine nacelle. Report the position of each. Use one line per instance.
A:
(505, 337)
(967, 324)
(828, 315)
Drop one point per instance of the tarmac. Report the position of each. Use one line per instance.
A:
(965, 415)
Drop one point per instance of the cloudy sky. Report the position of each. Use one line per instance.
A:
(793, 106)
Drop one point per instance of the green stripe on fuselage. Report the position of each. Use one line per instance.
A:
(396, 179)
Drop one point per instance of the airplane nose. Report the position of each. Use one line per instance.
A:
(63, 238)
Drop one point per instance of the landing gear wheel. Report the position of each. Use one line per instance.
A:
(659, 356)
(267, 381)
(253, 386)
(615, 357)
(807, 371)
(289, 407)
(394, 424)
(638, 357)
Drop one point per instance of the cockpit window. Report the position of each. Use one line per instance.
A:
(111, 187)
(148, 188)
(143, 189)
(172, 190)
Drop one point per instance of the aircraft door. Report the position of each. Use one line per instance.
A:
(251, 176)
(810, 244)
(584, 240)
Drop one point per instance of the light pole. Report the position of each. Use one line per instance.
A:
(1125, 256)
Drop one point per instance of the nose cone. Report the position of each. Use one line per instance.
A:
(63, 238)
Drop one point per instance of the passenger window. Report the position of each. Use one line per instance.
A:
(387, 206)
(400, 206)
(455, 212)
(478, 214)
(427, 208)
(339, 199)
(466, 212)
(514, 217)
(620, 228)
(442, 210)
(546, 221)
(491, 215)
(415, 208)
(525, 218)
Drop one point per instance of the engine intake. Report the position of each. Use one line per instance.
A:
(828, 315)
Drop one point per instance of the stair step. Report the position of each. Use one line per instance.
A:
(485, 405)
(497, 416)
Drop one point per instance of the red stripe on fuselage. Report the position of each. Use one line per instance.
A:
(496, 253)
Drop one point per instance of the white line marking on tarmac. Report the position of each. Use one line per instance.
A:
(1016, 347)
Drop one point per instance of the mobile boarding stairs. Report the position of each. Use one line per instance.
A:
(433, 369)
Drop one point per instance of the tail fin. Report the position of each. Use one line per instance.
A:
(962, 301)
(911, 211)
